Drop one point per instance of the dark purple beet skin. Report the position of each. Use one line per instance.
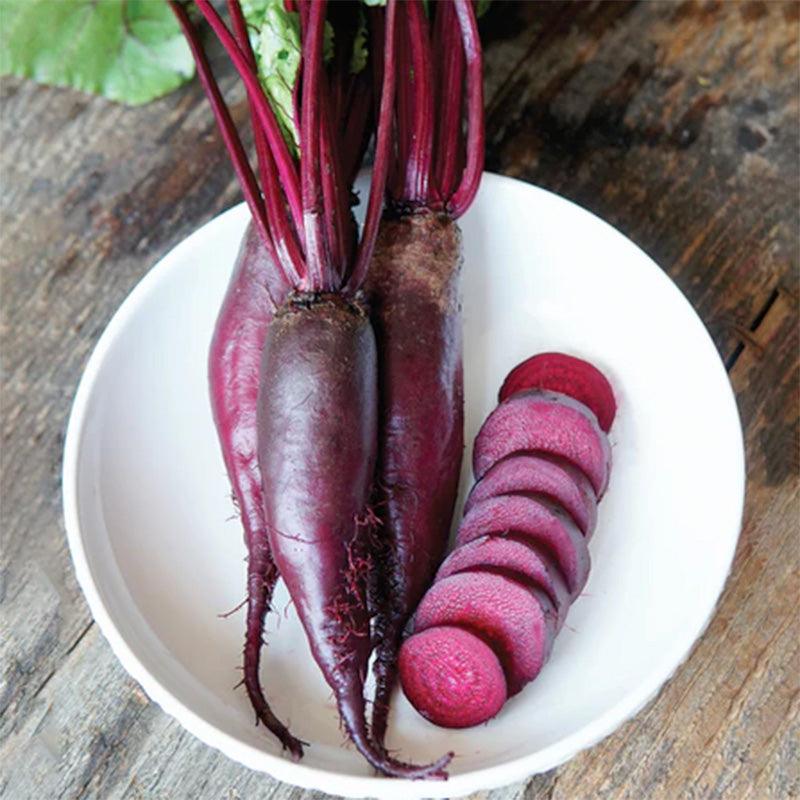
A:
(413, 291)
(317, 424)
(233, 370)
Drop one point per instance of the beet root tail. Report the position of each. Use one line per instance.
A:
(385, 672)
(351, 709)
(261, 581)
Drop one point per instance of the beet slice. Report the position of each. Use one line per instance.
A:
(452, 677)
(539, 474)
(548, 422)
(537, 523)
(517, 560)
(508, 616)
(568, 375)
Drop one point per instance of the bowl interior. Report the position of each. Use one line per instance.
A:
(159, 549)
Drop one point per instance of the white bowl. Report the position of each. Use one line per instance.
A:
(159, 553)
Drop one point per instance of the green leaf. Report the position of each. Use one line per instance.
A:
(278, 54)
(275, 36)
(482, 7)
(131, 51)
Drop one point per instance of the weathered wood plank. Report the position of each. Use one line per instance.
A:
(677, 122)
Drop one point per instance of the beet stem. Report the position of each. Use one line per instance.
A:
(354, 126)
(243, 40)
(284, 161)
(317, 254)
(471, 177)
(338, 219)
(283, 235)
(405, 106)
(418, 166)
(450, 99)
(383, 146)
(227, 129)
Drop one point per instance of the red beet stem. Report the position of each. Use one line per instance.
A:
(283, 235)
(383, 145)
(354, 125)
(339, 224)
(318, 259)
(418, 165)
(243, 40)
(450, 97)
(228, 131)
(284, 161)
(471, 177)
(417, 180)
(405, 105)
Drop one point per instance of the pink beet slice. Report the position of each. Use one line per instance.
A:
(539, 474)
(452, 677)
(507, 615)
(517, 560)
(545, 422)
(537, 523)
(568, 375)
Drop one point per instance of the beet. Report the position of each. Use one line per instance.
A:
(317, 472)
(452, 677)
(547, 422)
(413, 287)
(504, 613)
(233, 372)
(541, 475)
(558, 372)
(518, 560)
(533, 521)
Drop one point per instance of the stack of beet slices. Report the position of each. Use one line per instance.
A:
(541, 461)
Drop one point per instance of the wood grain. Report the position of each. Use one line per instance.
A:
(677, 122)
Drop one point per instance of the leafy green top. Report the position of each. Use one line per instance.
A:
(131, 51)
(275, 36)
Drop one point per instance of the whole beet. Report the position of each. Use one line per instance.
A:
(317, 425)
(234, 363)
(413, 288)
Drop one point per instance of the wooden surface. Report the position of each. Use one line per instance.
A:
(678, 123)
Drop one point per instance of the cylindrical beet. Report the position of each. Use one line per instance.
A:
(233, 372)
(413, 288)
(317, 420)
